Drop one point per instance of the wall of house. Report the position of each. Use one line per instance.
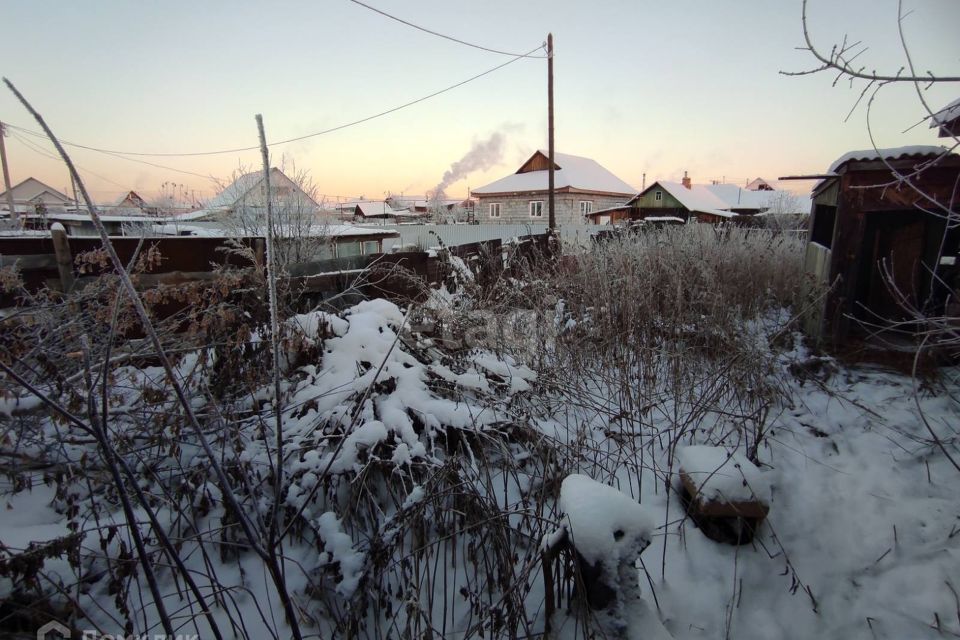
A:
(649, 200)
(516, 209)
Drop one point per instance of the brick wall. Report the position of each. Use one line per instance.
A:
(516, 209)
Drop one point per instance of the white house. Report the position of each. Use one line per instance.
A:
(249, 191)
(581, 186)
(31, 195)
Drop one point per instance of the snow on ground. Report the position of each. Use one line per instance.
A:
(862, 539)
(863, 536)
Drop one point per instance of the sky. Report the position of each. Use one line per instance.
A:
(645, 88)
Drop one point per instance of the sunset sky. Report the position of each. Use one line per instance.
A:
(642, 87)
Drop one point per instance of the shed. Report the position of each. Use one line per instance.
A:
(878, 232)
(947, 120)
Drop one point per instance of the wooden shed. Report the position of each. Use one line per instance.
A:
(879, 219)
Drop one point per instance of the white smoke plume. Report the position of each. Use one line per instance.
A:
(482, 156)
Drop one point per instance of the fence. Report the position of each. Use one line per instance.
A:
(50, 262)
(424, 236)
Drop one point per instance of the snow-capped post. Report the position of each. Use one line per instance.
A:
(61, 249)
(606, 530)
(269, 271)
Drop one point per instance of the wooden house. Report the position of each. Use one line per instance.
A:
(878, 232)
(680, 200)
(581, 186)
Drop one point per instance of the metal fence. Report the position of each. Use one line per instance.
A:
(424, 236)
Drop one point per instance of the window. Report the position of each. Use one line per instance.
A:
(345, 249)
(658, 196)
(586, 206)
(494, 209)
(371, 247)
(824, 219)
(536, 208)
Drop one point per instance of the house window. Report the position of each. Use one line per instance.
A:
(346, 249)
(536, 208)
(371, 247)
(658, 196)
(494, 209)
(586, 206)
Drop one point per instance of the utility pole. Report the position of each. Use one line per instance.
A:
(6, 177)
(550, 203)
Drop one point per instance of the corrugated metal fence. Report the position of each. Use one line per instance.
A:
(425, 236)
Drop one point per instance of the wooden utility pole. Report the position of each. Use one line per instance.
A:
(550, 203)
(6, 177)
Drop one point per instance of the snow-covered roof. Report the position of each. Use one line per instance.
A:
(235, 191)
(757, 184)
(738, 198)
(695, 199)
(314, 231)
(31, 188)
(946, 115)
(663, 219)
(574, 172)
(199, 214)
(887, 154)
(85, 217)
(379, 208)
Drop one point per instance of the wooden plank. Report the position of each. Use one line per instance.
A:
(722, 509)
(30, 261)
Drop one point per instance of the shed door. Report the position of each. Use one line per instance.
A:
(893, 244)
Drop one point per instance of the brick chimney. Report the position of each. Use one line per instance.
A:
(686, 180)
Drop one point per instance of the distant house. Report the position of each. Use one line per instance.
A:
(581, 186)
(374, 210)
(758, 185)
(873, 239)
(680, 200)
(249, 192)
(712, 203)
(947, 120)
(33, 196)
(132, 203)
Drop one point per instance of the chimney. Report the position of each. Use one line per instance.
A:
(686, 180)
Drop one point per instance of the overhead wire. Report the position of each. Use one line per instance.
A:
(446, 37)
(125, 154)
(32, 146)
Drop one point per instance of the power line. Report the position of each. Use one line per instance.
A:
(43, 152)
(123, 154)
(446, 37)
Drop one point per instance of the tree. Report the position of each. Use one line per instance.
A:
(301, 235)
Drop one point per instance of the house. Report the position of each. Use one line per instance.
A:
(712, 203)
(581, 186)
(947, 120)
(248, 192)
(131, 202)
(33, 196)
(372, 210)
(758, 185)
(879, 242)
(682, 200)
